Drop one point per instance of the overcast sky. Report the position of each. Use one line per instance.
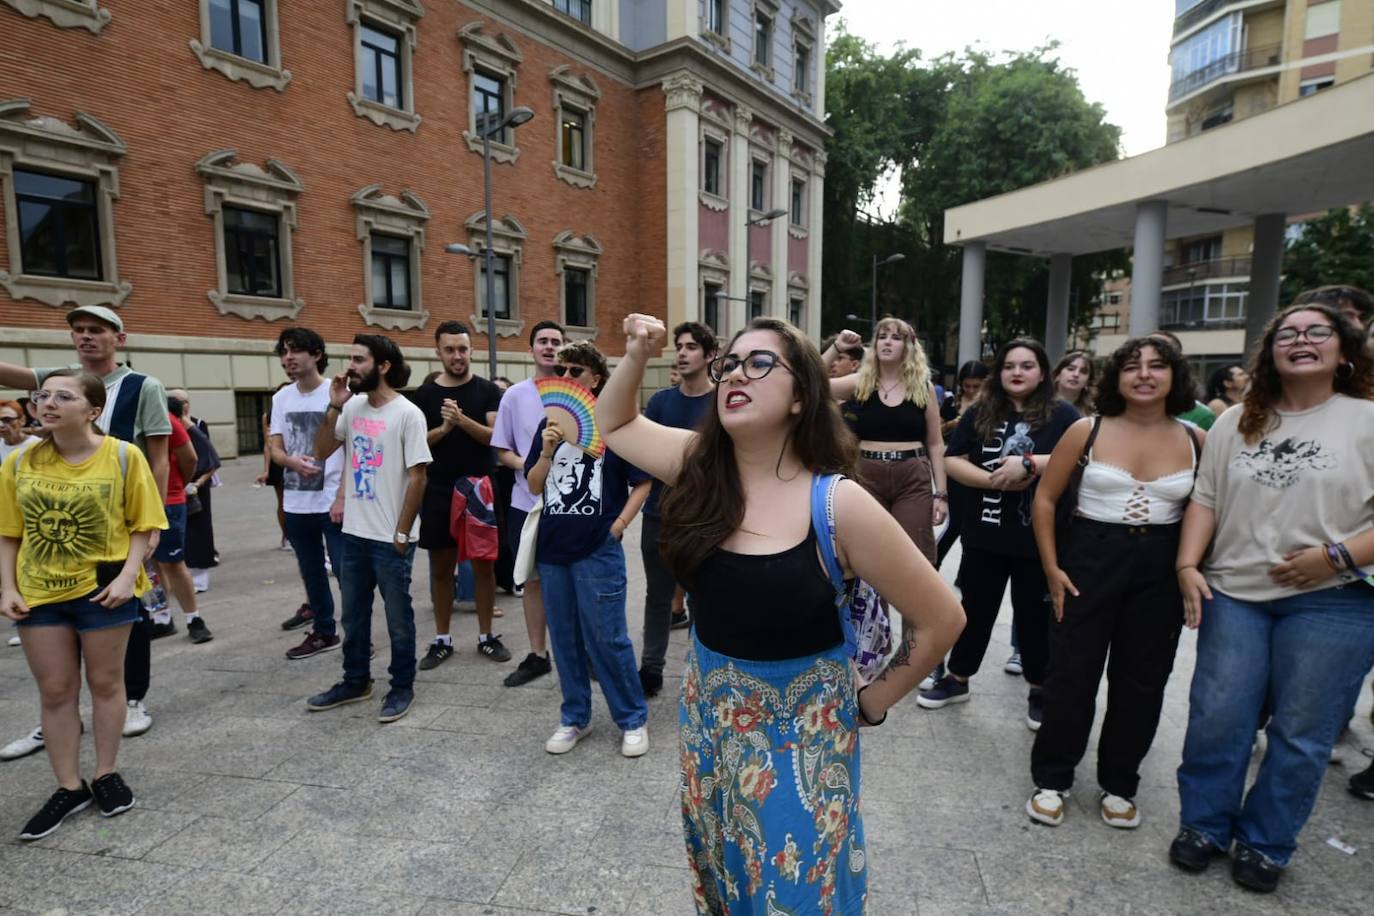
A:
(1120, 48)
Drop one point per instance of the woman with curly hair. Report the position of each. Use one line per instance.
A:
(1074, 377)
(890, 406)
(1111, 579)
(1285, 499)
(770, 714)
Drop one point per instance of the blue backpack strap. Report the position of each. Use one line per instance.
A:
(823, 521)
(124, 413)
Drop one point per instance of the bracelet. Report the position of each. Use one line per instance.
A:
(1350, 562)
(939, 494)
(1333, 557)
(857, 702)
(623, 523)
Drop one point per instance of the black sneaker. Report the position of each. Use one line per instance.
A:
(62, 803)
(159, 630)
(299, 619)
(1252, 871)
(534, 666)
(652, 682)
(341, 693)
(1191, 851)
(112, 795)
(438, 654)
(680, 621)
(1035, 708)
(493, 648)
(198, 631)
(1362, 783)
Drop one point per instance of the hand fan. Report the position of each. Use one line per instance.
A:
(572, 408)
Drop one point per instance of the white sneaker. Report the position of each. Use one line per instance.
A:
(1046, 806)
(14, 640)
(1119, 812)
(136, 720)
(1013, 665)
(31, 743)
(635, 743)
(566, 738)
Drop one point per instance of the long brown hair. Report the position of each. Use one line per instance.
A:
(1258, 416)
(995, 406)
(707, 504)
(1085, 397)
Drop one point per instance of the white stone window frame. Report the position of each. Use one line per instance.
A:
(719, 39)
(496, 56)
(711, 126)
(399, 217)
(797, 173)
(397, 17)
(798, 287)
(65, 14)
(270, 190)
(577, 93)
(804, 34)
(760, 281)
(713, 268)
(757, 155)
(242, 69)
(507, 238)
(768, 9)
(89, 151)
(580, 252)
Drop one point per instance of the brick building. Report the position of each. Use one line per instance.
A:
(219, 169)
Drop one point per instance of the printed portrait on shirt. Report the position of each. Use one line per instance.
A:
(574, 483)
(299, 438)
(366, 453)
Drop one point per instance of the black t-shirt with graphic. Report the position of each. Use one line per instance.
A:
(996, 520)
(458, 454)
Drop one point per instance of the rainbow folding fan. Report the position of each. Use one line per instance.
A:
(572, 407)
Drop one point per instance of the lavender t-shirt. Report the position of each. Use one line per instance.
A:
(517, 420)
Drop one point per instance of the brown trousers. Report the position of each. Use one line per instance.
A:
(903, 488)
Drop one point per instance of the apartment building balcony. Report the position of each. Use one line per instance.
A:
(1238, 64)
(1202, 271)
(1210, 9)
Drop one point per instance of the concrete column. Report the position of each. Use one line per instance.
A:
(683, 107)
(815, 208)
(1057, 308)
(777, 229)
(1147, 271)
(739, 235)
(1266, 260)
(971, 302)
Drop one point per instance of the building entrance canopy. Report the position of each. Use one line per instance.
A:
(1295, 159)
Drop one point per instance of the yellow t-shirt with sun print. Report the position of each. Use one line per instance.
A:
(70, 517)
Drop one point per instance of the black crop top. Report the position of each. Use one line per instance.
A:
(766, 607)
(874, 421)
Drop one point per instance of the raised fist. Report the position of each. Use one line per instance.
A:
(645, 335)
(848, 340)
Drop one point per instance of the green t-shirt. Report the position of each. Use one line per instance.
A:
(1200, 416)
(151, 419)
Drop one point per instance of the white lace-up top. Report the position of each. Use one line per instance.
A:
(1110, 494)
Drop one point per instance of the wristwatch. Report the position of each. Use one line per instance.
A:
(402, 538)
(1028, 463)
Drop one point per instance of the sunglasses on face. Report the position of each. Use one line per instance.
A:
(756, 365)
(570, 371)
(1317, 333)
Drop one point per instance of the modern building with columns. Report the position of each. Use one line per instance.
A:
(1302, 157)
(217, 170)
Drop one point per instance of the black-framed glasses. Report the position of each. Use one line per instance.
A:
(1316, 333)
(571, 371)
(757, 364)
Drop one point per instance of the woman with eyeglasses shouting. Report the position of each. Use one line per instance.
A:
(1285, 499)
(76, 513)
(769, 714)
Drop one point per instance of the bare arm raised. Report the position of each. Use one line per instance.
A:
(652, 447)
(843, 388)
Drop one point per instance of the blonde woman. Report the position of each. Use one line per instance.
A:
(890, 405)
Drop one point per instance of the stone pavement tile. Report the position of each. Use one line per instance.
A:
(221, 844)
(129, 836)
(232, 797)
(157, 789)
(377, 807)
(334, 768)
(317, 898)
(410, 867)
(669, 890)
(208, 893)
(455, 908)
(256, 704)
(98, 885)
(647, 837)
(512, 830)
(503, 722)
(900, 868)
(562, 885)
(441, 693)
(26, 873)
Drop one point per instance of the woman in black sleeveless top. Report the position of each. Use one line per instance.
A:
(769, 713)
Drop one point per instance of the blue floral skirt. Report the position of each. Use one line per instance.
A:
(770, 784)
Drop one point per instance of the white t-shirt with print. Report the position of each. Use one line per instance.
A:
(296, 417)
(379, 446)
(6, 449)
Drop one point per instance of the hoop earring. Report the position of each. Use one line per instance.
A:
(1348, 373)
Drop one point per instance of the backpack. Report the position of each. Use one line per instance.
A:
(863, 614)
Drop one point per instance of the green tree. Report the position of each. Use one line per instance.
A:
(1337, 247)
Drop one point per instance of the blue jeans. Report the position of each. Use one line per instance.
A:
(585, 605)
(310, 535)
(1309, 654)
(369, 566)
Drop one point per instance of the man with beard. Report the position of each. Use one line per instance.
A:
(681, 407)
(460, 410)
(518, 418)
(385, 457)
(308, 488)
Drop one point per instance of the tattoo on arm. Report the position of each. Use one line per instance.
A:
(902, 657)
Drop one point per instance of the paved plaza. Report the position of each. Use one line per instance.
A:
(249, 804)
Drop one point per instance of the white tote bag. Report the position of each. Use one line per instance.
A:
(525, 570)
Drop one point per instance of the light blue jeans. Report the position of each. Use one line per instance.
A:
(585, 604)
(1309, 654)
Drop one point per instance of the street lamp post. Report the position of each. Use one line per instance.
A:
(761, 219)
(873, 287)
(489, 124)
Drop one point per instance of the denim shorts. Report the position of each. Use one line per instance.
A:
(82, 614)
(171, 546)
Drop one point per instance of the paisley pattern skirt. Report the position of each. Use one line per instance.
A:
(770, 785)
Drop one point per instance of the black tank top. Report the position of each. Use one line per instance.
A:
(768, 607)
(874, 421)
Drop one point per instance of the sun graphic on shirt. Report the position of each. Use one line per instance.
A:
(62, 533)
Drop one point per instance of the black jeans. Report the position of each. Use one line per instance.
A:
(138, 657)
(983, 576)
(1128, 606)
(659, 586)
